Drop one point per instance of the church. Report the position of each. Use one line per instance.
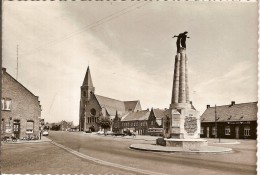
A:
(92, 106)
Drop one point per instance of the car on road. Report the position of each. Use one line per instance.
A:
(109, 133)
(100, 132)
(45, 133)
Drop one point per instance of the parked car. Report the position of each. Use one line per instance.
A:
(110, 133)
(100, 132)
(128, 133)
(45, 133)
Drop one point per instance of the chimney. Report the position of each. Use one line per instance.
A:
(208, 106)
(191, 102)
(3, 70)
(233, 103)
(147, 109)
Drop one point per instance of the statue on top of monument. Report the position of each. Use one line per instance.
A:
(181, 40)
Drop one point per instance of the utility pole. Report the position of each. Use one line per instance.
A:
(215, 121)
(216, 128)
(17, 62)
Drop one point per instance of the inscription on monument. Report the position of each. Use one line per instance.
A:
(190, 125)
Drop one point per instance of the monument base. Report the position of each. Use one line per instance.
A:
(184, 144)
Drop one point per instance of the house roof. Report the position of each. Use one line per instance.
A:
(138, 115)
(6, 73)
(159, 113)
(235, 112)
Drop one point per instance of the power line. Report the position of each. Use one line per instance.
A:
(92, 25)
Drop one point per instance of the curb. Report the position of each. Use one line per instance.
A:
(227, 143)
(124, 137)
(138, 147)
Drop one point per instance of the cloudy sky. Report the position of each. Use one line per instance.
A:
(130, 51)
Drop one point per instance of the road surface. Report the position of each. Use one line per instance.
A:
(116, 150)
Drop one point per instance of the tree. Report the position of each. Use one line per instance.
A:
(55, 127)
(104, 122)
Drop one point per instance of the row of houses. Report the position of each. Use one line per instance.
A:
(61, 126)
(232, 121)
(139, 121)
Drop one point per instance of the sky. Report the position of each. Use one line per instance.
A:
(130, 51)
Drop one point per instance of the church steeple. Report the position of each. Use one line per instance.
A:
(86, 89)
(88, 80)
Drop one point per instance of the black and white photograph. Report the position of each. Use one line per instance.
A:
(122, 87)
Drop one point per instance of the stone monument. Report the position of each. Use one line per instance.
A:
(181, 124)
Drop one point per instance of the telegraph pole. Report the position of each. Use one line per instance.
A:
(17, 62)
(215, 121)
(216, 128)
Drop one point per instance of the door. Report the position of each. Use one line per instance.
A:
(207, 132)
(237, 132)
(16, 130)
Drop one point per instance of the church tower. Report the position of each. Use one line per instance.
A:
(86, 89)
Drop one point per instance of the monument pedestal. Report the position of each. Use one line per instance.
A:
(187, 144)
(182, 123)
(182, 129)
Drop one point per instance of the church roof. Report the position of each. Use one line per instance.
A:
(138, 115)
(87, 80)
(111, 105)
(233, 112)
(132, 105)
(122, 107)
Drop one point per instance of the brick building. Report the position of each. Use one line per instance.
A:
(21, 109)
(234, 121)
(141, 121)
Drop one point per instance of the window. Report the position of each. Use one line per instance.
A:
(213, 130)
(247, 131)
(227, 130)
(202, 130)
(8, 126)
(84, 93)
(2, 126)
(29, 126)
(6, 104)
(93, 112)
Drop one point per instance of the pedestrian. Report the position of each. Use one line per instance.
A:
(40, 135)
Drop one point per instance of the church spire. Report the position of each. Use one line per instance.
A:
(87, 80)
